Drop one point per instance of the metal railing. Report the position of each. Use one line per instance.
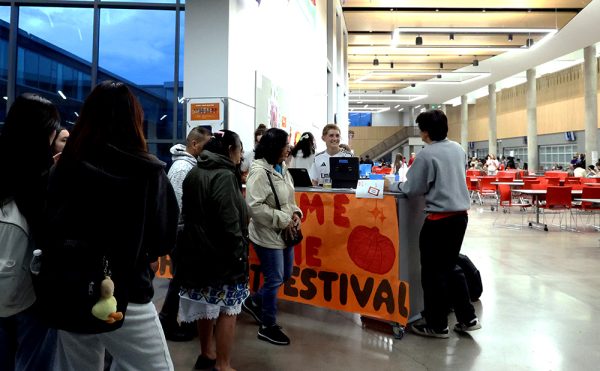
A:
(392, 142)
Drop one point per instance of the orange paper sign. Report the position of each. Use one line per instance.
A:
(348, 260)
(205, 111)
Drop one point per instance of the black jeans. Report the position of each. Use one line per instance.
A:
(443, 281)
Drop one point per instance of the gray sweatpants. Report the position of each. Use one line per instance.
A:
(139, 345)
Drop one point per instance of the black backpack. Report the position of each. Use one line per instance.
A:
(472, 276)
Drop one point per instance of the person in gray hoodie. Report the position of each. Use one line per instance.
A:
(184, 159)
(438, 173)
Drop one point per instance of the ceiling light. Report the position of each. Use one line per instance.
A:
(366, 105)
(391, 64)
(163, 117)
(475, 62)
(62, 95)
(419, 40)
(510, 37)
(417, 106)
(451, 31)
(375, 62)
(529, 43)
(396, 106)
(76, 114)
(401, 109)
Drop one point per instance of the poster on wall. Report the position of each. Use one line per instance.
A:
(205, 112)
(273, 107)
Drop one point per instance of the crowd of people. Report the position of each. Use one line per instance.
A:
(102, 210)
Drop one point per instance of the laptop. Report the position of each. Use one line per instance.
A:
(300, 176)
(343, 172)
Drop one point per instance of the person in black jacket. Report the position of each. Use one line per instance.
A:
(111, 212)
(212, 255)
(25, 158)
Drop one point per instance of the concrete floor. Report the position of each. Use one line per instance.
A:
(540, 310)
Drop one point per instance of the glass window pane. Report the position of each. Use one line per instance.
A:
(137, 47)
(145, 1)
(56, 63)
(181, 105)
(4, 28)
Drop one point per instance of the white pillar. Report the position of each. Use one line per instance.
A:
(492, 131)
(590, 68)
(532, 139)
(464, 123)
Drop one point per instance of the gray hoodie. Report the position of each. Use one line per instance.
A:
(183, 162)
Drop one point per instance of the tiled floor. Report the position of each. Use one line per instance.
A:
(540, 310)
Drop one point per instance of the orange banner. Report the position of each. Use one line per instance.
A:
(205, 111)
(348, 260)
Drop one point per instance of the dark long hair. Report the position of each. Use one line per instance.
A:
(306, 144)
(271, 144)
(111, 114)
(25, 154)
(221, 143)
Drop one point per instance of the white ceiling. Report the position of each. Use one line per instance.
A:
(582, 30)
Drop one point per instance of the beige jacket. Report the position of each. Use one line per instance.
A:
(267, 221)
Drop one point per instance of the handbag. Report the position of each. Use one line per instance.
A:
(287, 239)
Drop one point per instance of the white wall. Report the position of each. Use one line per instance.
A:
(226, 41)
(387, 118)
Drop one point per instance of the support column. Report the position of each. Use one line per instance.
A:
(590, 83)
(464, 123)
(532, 139)
(492, 131)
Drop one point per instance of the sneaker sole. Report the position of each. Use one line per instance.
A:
(467, 329)
(430, 334)
(250, 312)
(268, 339)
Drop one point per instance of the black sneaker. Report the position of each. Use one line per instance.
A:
(273, 335)
(465, 327)
(253, 309)
(422, 329)
(203, 363)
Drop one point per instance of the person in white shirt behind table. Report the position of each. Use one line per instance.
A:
(319, 172)
(303, 154)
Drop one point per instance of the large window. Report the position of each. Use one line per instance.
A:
(145, 58)
(519, 153)
(55, 58)
(556, 155)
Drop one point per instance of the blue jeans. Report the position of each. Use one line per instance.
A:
(25, 343)
(276, 266)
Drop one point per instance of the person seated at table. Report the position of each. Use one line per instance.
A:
(591, 172)
(579, 171)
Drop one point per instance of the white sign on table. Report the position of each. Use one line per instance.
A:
(369, 188)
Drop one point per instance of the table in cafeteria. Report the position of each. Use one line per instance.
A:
(535, 193)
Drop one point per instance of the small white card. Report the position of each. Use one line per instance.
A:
(369, 188)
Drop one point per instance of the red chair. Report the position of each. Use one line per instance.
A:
(472, 172)
(486, 189)
(507, 174)
(590, 208)
(472, 188)
(506, 202)
(589, 180)
(556, 174)
(557, 199)
(553, 181)
(386, 170)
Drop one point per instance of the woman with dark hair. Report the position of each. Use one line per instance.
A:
(212, 255)
(112, 212)
(25, 159)
(303, 153)
(58, 144)
(269, 222)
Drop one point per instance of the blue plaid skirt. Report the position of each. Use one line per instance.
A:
(227, 295)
